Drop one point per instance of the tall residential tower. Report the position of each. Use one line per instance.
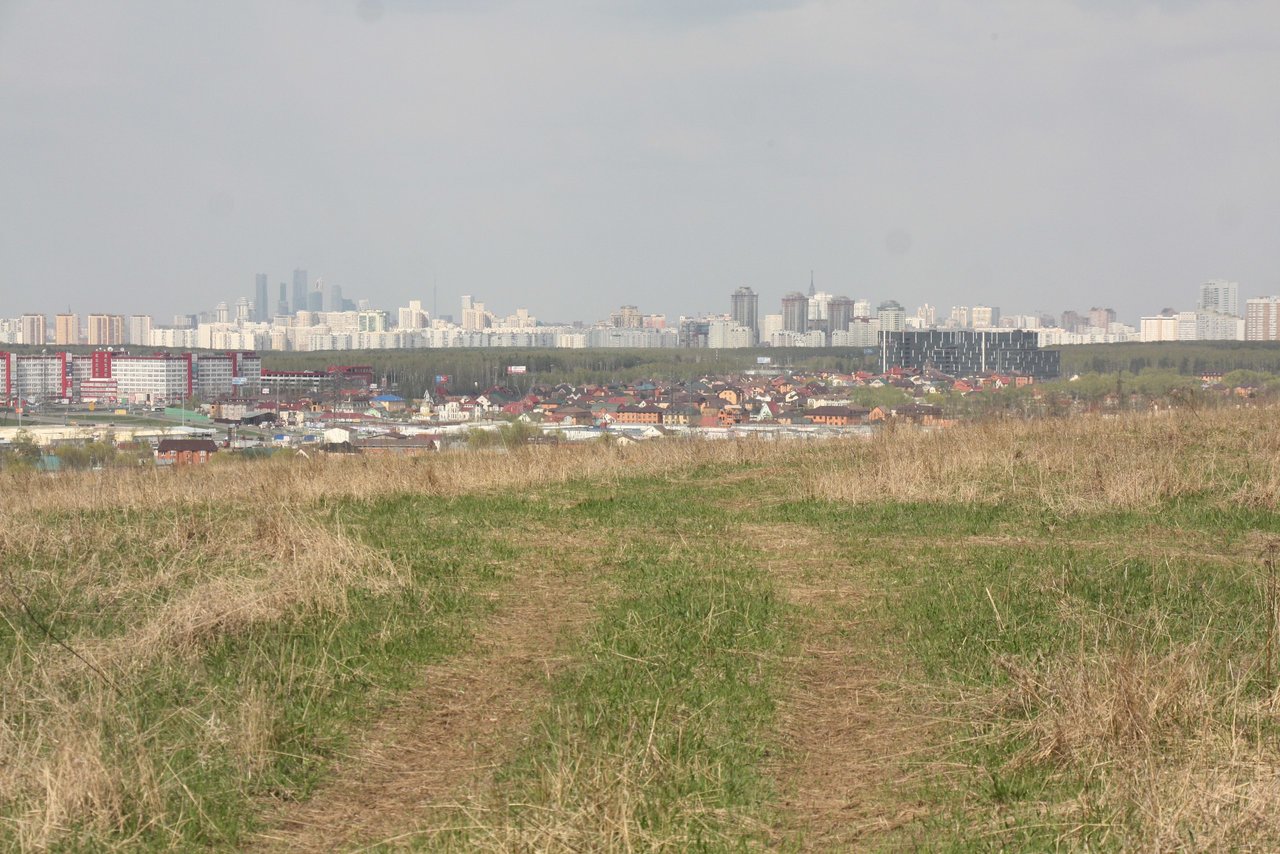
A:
(1220, 296)
(746, 307)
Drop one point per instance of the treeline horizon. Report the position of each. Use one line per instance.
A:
(469, 368)
(413, 371)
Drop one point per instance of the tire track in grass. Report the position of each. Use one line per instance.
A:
(437, 747)
(655, 738)
(844, 732)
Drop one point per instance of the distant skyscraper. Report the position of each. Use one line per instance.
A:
(66, 329)
(412, 316)
(1102, 318)
(984, 317)
(893, 317)
(261, 308)
(818, 307)
(221, 313)
(839, 314)
(315, 297)
(282, 305)
(139, 331)
(626, 317)
(1220, 296)
(333, 298)
(105, 329)
(474, 316)
(300, 291)
(746, 308)
(1262, 319)
(34, 330)
(795, 312)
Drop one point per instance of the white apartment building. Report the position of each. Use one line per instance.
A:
(139, 328)
(173, 338)
(1209, 326)
(1116, 333)
(788, 338)
(727, 334)
(959, 317)
(862, 332)
(1221, 296)
(412, 316)
(1161, 327)
(43, 376)
(892, 317)
(820, 306)
(151, 378)
(637, 338)
(212, 376)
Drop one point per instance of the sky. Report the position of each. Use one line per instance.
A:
(571, 156)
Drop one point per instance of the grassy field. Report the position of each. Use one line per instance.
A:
(1010, 635)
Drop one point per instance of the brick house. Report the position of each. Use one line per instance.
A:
(836, 416)
(639, 415)
(185, 451)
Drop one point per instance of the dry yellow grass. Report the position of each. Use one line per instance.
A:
(1085, 464)
(300, 482)
(74, 760)
(1180, 758)
(206, 553)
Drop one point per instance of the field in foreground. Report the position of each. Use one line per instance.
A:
(1008, 635)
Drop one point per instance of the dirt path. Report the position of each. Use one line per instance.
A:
(435, 751)
(845, 735)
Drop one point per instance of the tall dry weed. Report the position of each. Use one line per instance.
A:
(1081, 465)
(301, 482)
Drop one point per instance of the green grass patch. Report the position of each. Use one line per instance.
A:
(655, 738)
(980, 596)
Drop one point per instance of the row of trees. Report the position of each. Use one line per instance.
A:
(413, 371)
(1189, 358)
(24, 453)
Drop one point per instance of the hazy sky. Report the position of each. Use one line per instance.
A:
(571, 156)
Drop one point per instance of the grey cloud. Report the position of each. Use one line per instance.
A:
(572, 157)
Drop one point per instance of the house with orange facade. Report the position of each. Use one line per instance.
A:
(836, 416)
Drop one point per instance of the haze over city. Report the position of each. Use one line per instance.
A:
(575, 157)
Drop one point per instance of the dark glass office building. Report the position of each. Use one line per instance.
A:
(967, 353)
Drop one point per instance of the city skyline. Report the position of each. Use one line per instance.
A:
(743, 302)
(326, 320)
(1034, 155)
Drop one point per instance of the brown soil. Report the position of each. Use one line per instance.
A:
(436, 749)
